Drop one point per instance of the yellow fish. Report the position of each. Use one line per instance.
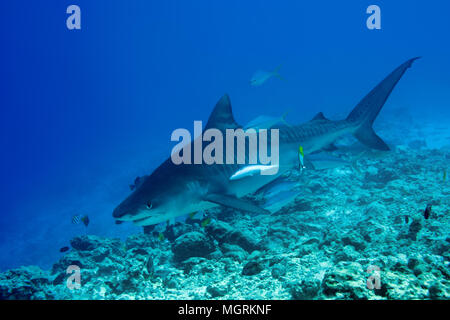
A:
(192, 215)
(160, 237)
(445, 175)
(205, 222)
(301, 156)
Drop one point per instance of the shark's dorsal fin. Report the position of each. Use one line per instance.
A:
(235, 203)
(319, 116)
(222, 116)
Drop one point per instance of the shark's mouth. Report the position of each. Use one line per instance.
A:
(149, 220)
(143, 214)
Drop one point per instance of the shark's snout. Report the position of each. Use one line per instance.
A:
(124, 212)
(118, 213)
(121, 213)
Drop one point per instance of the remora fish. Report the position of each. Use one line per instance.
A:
(265, 122)
(176, 190)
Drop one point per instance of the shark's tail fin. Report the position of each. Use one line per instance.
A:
(364, 114)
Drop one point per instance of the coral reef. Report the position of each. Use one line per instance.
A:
(349, 234)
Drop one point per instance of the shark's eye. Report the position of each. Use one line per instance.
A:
(149, 205)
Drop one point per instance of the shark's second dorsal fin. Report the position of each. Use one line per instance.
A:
(319, 116)
(222, 116)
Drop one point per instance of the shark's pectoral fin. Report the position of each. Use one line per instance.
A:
(330, 148)
(235, 203)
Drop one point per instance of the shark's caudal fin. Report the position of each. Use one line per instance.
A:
(364, 114)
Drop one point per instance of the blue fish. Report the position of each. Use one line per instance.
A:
(262, 76)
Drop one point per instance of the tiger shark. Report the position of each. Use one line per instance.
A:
(174, 190)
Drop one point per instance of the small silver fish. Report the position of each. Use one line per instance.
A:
(262, 76)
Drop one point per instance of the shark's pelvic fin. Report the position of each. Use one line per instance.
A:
(330, 147)
(323, 161)
(235, 203)
(364, 114)
(222, 116)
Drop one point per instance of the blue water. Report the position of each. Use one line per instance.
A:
(84, 112)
